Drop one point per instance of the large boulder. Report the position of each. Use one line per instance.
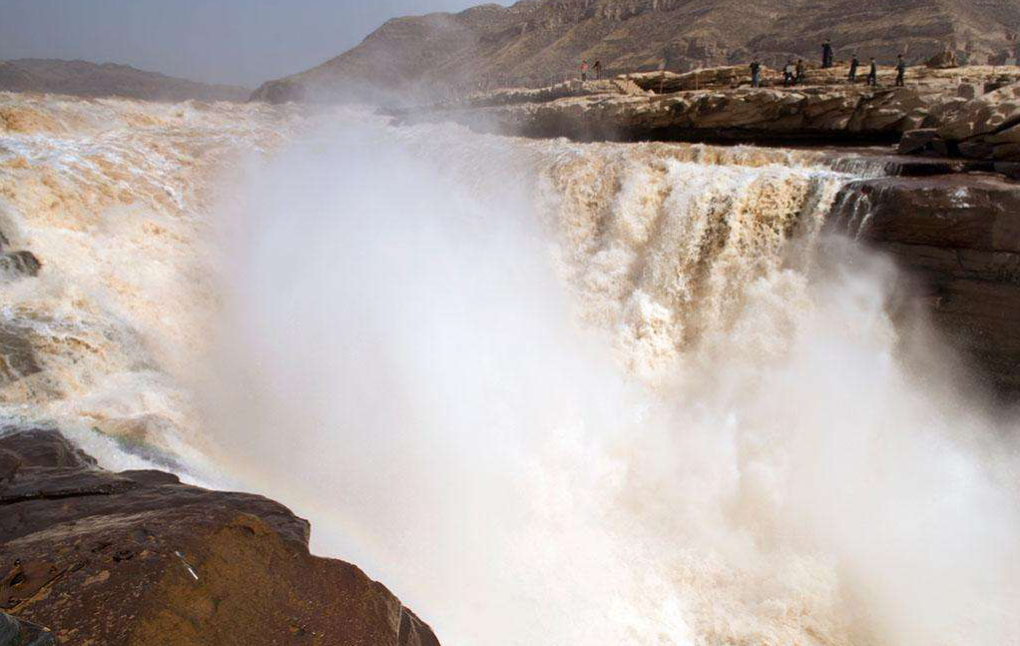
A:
(984, 115)
(919, 142)
(943, 60)
(138, 558)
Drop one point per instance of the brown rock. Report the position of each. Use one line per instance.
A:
(138, 558)
(983, 115)
(18, 264)
(916, 142)
(958, 237)
(828, 111)
(17, 357)
(943, 60)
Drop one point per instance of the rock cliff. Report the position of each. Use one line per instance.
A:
(542, 42)
(137, 558)
(958, 239)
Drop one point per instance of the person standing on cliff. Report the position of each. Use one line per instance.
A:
(901, 72)
(827, 56)
(789, 73)
(584, 71)
(873, 74)
(598, 69)
(854, 64)
(800, 71)
(755, 73)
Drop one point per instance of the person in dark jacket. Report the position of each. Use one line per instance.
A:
(873, 74)
(598, 69)
(854, 64)
(827, 57)
(901, 71)
(755, 73)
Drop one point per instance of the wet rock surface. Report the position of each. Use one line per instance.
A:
(18, 264)
(958, 238)
(17, 356)
(139, 558)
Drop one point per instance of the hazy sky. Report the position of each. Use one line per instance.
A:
(243, 42)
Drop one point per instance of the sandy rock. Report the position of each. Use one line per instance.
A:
(826, 108)
(983, 115)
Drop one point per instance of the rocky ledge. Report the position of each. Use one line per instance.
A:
(718, 104)
(957, 238)
(137, 558)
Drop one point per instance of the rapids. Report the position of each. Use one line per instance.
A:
(548, 392)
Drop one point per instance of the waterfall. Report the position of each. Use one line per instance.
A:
(549, 392)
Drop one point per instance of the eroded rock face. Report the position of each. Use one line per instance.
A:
(958, 238)
(138, 558)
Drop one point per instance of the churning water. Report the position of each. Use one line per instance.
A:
(549, 393)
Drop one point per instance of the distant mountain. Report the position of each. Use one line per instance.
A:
(535, 42)
(81, 78)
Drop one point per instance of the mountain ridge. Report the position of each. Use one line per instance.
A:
(540, 42)
(97, 80)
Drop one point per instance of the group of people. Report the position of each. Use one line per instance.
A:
(793, 73)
